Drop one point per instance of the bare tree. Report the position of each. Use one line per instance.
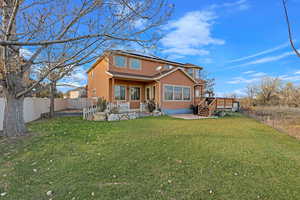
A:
(209, 83)
(62, 34)
(289, 95)
(251, 91)
(268, 90)
(284, 2)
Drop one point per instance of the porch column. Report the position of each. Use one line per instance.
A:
(127, 92)
(112, 89)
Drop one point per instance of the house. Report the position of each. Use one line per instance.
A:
(79, 92)
(120, 76)
(125, 77)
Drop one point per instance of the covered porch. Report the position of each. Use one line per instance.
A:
(132, 93)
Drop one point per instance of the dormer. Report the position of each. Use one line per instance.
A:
(193, 70)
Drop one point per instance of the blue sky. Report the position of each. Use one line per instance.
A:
(236, 41)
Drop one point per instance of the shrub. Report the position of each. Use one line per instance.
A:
(102, 104)
(150, 104)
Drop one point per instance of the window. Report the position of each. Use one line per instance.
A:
(190, 71)
(168, 67)
(120, 92)
(168, 92)
(120, 61)
(197, 73)
(197, 93)
(92, 74)
(135, 64)
(186, 94)
(177, 93)
(135, 93)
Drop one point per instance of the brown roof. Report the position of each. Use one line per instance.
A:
(156, 58)
(147, 57)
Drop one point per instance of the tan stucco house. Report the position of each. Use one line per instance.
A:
(120, 76)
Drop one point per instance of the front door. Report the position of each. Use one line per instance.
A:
(135, 97)
(150, 93)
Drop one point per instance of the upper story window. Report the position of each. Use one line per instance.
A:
(197, 73)
(120, 61)
(168, 67)
(190, 71)
(135, 64)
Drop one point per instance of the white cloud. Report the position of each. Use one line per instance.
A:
(251, 76)
(140, 23)
(269, 59)
(190, 34)
(297, 72)
(258, 74)
(249, 72)
(260, 53)
(264, 60)
(25, 53)
(291, 78)
(207, 60)
(239, 92)
(77, 78)
(79, 75)
(239, 80)
(239, 5)
(236, 92)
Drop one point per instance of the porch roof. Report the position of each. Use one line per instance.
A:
(137, 76)
(148, 78)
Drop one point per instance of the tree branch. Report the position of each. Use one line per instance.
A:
(16, 43)
(289, 28)
(12, 19)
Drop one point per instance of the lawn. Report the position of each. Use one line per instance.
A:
(152, 158)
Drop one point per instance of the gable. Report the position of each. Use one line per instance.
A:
(177, 77)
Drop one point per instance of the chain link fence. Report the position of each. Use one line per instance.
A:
(284, 119)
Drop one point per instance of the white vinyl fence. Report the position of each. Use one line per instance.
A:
(34, 107)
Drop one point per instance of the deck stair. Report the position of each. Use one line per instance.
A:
(206, 107)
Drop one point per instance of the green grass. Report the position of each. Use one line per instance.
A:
(152, 158)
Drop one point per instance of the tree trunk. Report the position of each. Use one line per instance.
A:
(14, 124)
(52, 98)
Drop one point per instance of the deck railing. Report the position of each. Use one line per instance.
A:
(89, 112)
(121, 107)
(212, 106)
